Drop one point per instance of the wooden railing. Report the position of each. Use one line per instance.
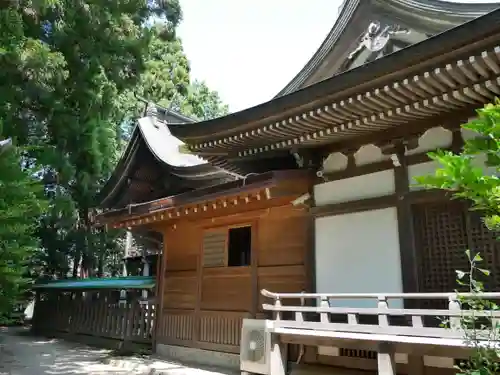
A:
(315, 316)
(131, 322)
(212, 330)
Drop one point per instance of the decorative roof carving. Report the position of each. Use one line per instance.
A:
(427, 17)
(376, 38)
(4, 144)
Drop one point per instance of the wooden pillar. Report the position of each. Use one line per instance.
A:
(128, 245)
(415, 365)
(128, 326)
(160, 280)
(36, 312)
(310, 259)
(254, 263)
(386, 360)
(409, 259)
(199, 290)
(278, 357)
(145, 272)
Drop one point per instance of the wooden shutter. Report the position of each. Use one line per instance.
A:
(214, 248)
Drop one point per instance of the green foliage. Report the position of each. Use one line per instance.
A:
(165, 81)
(480, 333)
(21, 204)
(70, 69)
(463, 173)
(472, 175)
(199, 102)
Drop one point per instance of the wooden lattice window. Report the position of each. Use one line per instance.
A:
(487, 243)
(214, 248)
(229, 247)
(443, 231)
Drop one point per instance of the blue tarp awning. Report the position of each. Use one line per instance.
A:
(114, 283)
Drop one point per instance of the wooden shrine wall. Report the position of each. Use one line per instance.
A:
(203, 307)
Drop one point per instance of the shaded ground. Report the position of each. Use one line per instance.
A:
(23, 354)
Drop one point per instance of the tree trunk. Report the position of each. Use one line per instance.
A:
(100, 266)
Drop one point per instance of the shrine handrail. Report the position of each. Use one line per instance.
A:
(451, 295)
(322, 318)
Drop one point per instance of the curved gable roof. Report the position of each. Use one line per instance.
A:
(152, 166)
(426, 17)
(403, 62)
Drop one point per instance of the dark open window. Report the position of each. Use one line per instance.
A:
(239, 247)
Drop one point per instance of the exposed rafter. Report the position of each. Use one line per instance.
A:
(453, 87)
(419, 85)
(254, 188)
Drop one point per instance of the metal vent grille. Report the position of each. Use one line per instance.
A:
(255, 346)
(358, 353)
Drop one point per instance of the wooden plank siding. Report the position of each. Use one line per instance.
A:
(204, 304)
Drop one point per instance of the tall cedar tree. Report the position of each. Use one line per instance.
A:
(69, 72)
(64, 65)
(21, 203)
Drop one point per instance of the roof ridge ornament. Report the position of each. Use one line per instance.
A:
(152, 111)
(376, 38)
(4, 144)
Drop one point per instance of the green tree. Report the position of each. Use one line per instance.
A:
(472, 175)
(21, 204)
(463, 173)
(164, 78)
(200, 102)
(165, 81)
(70, 73)
(64, 66)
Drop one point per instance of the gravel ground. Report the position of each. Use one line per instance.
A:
(23, 354)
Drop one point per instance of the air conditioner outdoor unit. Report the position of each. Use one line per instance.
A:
(255, 346)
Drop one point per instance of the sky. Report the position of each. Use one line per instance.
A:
(248, 50)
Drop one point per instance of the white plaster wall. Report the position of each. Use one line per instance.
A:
(429, 168)
(369, 154)
(418, 170)
(440, 138)
(433, 139)
(358, 253)
(350, 189)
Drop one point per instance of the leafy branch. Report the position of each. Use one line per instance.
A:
(481, 333)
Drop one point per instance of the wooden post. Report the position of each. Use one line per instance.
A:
(254, 264)
(145, 271)
(416, 365)
(128, 245)
(278, 356)
(408, 252)
(383, 318)
(36, 306)
(454, 305)
(277, 313)
(385, 360)
(157, 324)
(128, 328)
(324, 317)
(153, 307)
